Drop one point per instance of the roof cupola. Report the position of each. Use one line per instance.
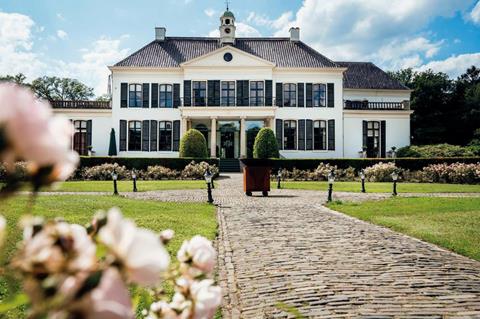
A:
(227, 27)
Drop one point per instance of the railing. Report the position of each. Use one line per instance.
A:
(227, 102)
(367, 105)
(62, 104)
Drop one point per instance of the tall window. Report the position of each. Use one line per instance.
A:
(373, 139)
(166, 97)
(290, 94)
(320, 135)
(135, 95)
(134, 136)
(290, 135)
(80, 137)
(228, 93)
(164, 136)
(319, 94)
(256, 93)
(199, 93)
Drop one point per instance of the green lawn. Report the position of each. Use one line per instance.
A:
(383, 187)
(453, 223)
(186, 219)
(126, 186)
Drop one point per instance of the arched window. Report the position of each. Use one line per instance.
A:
(290, 94)
(134, 136)
(164, 136)
(135, 97)
(319, 96)
(320, 135)
(289, 135)
(80, 137)
(166, 97)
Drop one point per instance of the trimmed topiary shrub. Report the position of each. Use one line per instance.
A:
(193, 144)
(265, 145)
(436, 150)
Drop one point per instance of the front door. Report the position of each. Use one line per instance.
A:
(227, 144)
(373, 139)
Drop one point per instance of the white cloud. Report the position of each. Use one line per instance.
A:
(92, 69)
(210, 12)
(62, 34)
(242, 30)
(60, 17)
(454, 65)
(16, 45)
(475, 14)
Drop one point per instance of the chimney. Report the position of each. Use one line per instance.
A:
(295, 34)
(160, 33)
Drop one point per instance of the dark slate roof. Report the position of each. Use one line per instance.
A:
(175, 50)
(366, 75)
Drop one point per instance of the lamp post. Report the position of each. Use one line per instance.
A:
(279, 178)
(134, 177)
(394, 178)
(362, 176)
(114, 178)
(208, 178)
(331, 179)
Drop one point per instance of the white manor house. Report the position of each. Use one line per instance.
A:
(228, 88)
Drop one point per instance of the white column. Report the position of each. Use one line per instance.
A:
(183, 125)
(243, 138)
(213, 137)
(270, 123)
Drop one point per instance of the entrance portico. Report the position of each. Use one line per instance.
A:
(229, 132)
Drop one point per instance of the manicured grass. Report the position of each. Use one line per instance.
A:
(186, 219)
(452, 223)
(126, 186)
(383, 187)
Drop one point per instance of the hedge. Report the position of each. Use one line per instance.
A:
(359, 163)
(143, 162)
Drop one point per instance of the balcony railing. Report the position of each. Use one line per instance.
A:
(63, 104)
(367, 105)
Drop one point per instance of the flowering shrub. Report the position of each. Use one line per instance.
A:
(454, 173)
(381, 172)
(197, 170)
(104, 172)
(160, 172)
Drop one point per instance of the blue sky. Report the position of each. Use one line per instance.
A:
(80, 38)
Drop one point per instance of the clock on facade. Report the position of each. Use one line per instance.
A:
(228, 57)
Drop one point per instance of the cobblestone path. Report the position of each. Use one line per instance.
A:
(290, 249)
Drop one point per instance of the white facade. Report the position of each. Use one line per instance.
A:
(346, 129)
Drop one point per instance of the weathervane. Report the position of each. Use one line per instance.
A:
(227, 2)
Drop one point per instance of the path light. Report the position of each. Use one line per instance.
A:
(134, 177)
(362, 176)
(208, 179)
(114, 178)
(279, 178)
(331, 179)
(394, 178)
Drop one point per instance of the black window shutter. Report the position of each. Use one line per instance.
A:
(211, 93)
(309, 94)
(153, 135)
(364, 134)
(216, 94)
(176, 95)
(331, 135)
(123, 94)
(330, 95)
(239, 93)
(279, 94)
(245, 93)
(383, 139)
(123, 135)
(309, 135)
(176, 136)
(146, 95)
(187, 93)
(89, 133)
(154, 94)
(268, 93)
(279, 133)
(145, 136)
(301, 94)
(301, 135)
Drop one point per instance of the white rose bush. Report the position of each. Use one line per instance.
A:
(74, 271)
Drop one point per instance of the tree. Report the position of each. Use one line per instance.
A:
(104, 98)
(112, 148)
(54, 88)
(193, 144)
(17, 78)
(265, 145)
(405, 76)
